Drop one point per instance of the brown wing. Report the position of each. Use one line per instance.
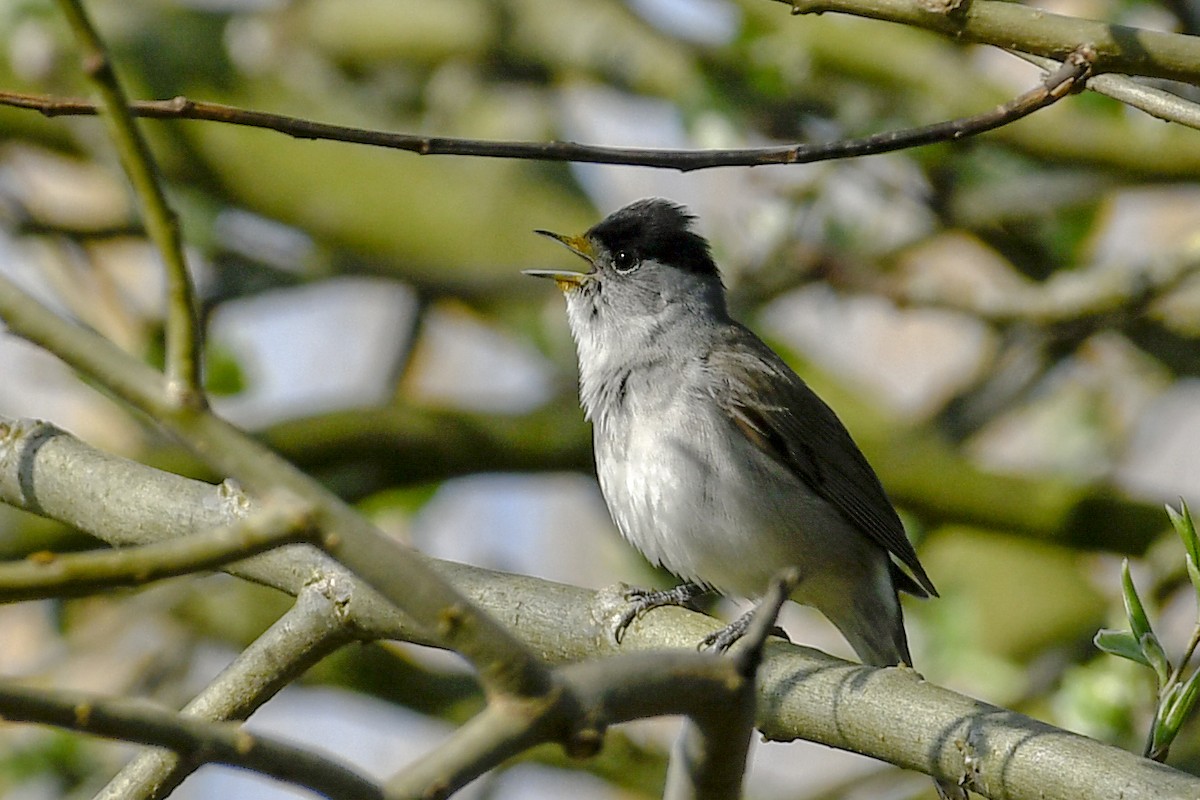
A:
(780, 415)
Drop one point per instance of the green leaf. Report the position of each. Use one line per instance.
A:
(1120, 643)
(1177, 702)
(1193, 570)
(1181, 703)
(1138, 621)
(1153, 650)
(1182, 522)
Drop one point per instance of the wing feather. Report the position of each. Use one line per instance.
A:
(777, 412)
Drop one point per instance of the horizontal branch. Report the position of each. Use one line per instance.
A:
(1061, 82)
(397, 446)
(45, 575)
(801, 693)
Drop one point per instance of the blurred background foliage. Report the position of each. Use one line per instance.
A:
(1007, 325)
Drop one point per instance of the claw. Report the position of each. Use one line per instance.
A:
(643, 600)
(722, 640)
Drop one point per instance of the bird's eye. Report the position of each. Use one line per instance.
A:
(625, 261)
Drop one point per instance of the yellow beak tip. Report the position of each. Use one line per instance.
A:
(579, 245)
(563, 279)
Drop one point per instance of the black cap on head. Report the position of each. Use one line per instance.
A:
(656, 229)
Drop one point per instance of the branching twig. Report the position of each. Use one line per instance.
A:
(183, 361)
(1156, 102)
(1059, 84)
(708, 758)
(398, 573)
(801, 693)
(1014, 26)
(311, 629)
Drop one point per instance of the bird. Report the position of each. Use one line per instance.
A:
(715, 459)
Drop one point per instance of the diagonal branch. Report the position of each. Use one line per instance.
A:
(1061, 82)
(183, 361)
(1156, 102)
(311, 629)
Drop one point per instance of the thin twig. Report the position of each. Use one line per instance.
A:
(1058, 85)
(748, 651)
(210, 742)
(45, 575)
(311, 629)
(183, 361)
(708, 758)
(1156, 102)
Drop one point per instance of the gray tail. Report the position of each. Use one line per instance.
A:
(876, 632)
(874, 627)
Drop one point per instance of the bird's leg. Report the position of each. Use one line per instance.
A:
(643, 600)
(723, 639)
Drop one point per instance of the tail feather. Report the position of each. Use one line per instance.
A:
(874, 627)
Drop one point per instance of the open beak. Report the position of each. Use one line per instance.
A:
(566, 280)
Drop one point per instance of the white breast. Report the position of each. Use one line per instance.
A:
(686, 489)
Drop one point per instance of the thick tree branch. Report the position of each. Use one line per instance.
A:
(1060, 83)
(1012, 26)
(889, 714)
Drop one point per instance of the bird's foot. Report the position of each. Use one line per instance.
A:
(722, 640)
(642, 600)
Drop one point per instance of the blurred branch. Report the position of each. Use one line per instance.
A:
(1088, 298)
(141, 721)
(499, 732)
(183, 361)
(1056, 86)
(889, 714)
(310, 630)
(404, 445)
(45, 575)
(1117, 48)
(924, 473)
